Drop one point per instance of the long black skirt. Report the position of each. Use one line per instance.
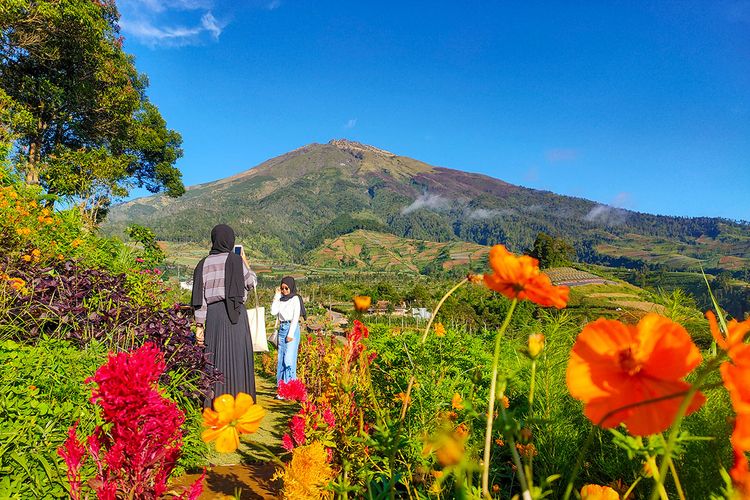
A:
(230, 349)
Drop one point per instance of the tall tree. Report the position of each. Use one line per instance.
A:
(91, 132)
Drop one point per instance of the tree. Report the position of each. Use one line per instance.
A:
(551, 251)
(89, 133)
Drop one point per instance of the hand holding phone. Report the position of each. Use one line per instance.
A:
(238, 250)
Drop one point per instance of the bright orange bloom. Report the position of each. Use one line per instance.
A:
(439, 330)
(519, 277)
(362, 302)
(16, 283)
(457, 402)
(402, 398)
(736, 331)
(506, 402)
(736, 376)
(740, 473)
(613, 365)
(229, 418)
(596, 492)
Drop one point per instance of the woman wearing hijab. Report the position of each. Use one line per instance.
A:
(220, 284)
(287, 306)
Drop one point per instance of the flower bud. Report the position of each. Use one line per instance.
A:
(536, 345)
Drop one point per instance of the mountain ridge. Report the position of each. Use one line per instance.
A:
(285, 200)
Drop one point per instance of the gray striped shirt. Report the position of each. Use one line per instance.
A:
(213, 283)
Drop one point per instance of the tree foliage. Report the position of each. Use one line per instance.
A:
(551, 251)
(75, 107)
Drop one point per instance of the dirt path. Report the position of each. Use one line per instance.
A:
(248, 469)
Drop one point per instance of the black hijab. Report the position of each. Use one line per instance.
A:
(222, 241)
(289, 281)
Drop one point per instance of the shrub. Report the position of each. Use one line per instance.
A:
(42, 391)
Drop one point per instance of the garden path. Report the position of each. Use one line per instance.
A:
(249, 469)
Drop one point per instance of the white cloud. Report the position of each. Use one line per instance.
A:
(209, 22)
(429, 202)
(351, 123)
(558, 155)
(273, 4)
(485, 213)
(613, 214)
(170, 23)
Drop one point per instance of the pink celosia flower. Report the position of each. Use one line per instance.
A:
(287, 443)
(294, 390)
(72, 452)
(141, 444)
(329, 418)
(297, 425)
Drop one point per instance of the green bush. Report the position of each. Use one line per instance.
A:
(43, 394)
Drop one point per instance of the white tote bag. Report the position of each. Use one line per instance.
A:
(257, 319)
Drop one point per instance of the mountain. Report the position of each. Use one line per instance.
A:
(288, 206)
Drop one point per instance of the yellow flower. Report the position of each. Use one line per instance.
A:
(23, 231)
(362, 302)
(596, 492)
(439, 329)
(16, 283)
(308, 473)
(229, 418)
(403, 398)
(36, 253)
(536, 345)
(76, 243)
(26, 258)
(456, 402)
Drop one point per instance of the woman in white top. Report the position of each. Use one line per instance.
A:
(288, 307)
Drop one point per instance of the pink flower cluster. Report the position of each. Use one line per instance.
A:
(310, 416)
(136, 454)
(294, 390)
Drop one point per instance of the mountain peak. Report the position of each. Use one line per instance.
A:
(352, 146)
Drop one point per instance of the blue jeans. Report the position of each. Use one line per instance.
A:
(286, 369)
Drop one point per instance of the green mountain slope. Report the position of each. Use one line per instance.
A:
(288, 205)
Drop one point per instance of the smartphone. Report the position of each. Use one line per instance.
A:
(238, 249)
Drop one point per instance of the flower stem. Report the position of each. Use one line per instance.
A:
(424, 338)
(590, 437)
(677, 482)
(674, 431)
(531, 388)
(492, 398)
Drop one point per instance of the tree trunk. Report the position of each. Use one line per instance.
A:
(32, 170)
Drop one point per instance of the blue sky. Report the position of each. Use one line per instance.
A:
(639, 105)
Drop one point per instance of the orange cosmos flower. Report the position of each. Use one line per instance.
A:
(519, 277)
(362, 302)
(613, 365)
(457, 402)
(439, 330)
(402, 398)
(596, 492)
(736, 331)
(229, 418)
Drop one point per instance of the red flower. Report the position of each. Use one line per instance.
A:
(141, 444)
(329, 418)
(73, 453)
(294, 390)
(297, 425)
(287, 443)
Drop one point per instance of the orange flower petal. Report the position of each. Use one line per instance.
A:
(228, 440)
(224, 406)
(613, 365)
(250, 421)
(596, 492)
(242, 403)
(669, 350)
